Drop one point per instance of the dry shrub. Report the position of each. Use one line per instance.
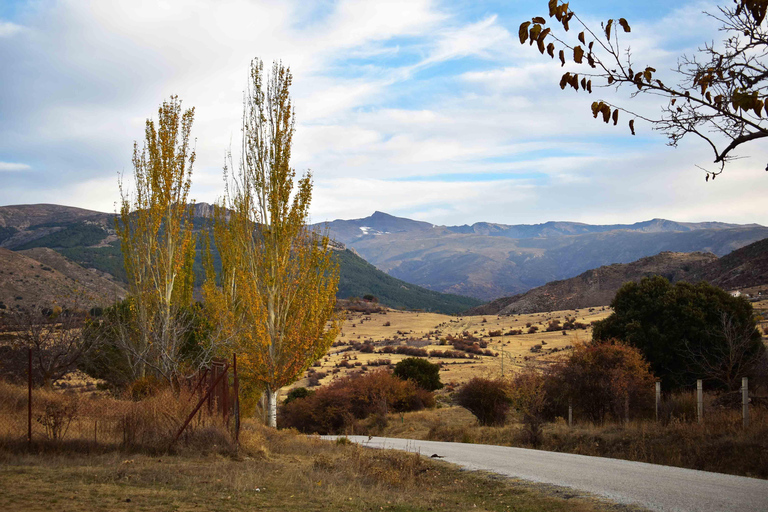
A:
(528, 396)
(13, 399)
(598, 378)
(487, 399)
(80, 422)
(55, 412)
(335, 408)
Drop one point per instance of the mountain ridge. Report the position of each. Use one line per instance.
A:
(743, 268)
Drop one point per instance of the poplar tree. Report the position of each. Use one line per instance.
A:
(278, 279)
(158, 245)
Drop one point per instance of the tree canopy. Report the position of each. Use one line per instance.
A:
(278, 279)
(680, 330)
(718, 94)
(158, 244)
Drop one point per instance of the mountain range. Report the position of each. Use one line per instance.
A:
(51, 253)
(488, 261)
(437, 268)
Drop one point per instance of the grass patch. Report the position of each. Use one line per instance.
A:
(274, 470)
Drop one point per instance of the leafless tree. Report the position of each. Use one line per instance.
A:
(719, 94)
(55, 337)
(737, 356)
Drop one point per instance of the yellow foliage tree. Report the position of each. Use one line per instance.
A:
(279, 279)
(158, 245)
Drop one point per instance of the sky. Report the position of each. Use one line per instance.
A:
(424, 109)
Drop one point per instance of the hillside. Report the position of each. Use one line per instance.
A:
(597, 287)
(494, 260)
(28, 282)
(359, 278)
(743, 268)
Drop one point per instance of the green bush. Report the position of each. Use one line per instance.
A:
(297, 393)
(425, 374)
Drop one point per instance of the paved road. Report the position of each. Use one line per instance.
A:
(648, 485)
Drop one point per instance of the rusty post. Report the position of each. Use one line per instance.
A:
(237, 399)
(205, 397)
(29, 399)
(225, 398)
(200, 381)
(214, 378)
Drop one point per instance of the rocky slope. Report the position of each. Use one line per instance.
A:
(26, 281)
(597, 287)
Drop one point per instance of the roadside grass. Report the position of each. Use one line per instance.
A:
(273, 470)
(719, 444)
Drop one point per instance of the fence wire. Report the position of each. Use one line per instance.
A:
(195, 411)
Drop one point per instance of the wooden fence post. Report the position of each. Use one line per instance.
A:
(658, 399)
(745, 401)
(626, 409)
(699, 401)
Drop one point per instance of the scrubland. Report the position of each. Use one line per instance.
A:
(432, 332)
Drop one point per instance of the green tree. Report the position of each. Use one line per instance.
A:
(278, 279)
(157, 242)
(425, 374)
(679, 329)
(719, 94)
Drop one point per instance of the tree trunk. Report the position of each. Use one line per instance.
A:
(272, 408)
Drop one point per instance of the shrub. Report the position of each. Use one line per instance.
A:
(425, 374)
(334, 408)
(487, 399)
(528, 396)
(532, 329)
(598, 378)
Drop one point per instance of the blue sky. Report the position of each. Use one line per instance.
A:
(421, 108)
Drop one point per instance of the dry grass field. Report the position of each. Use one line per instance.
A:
(426, 330)
(272, 470)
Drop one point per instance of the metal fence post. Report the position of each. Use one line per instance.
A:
(570, 412)
(658, 399)
(237, 399)
(699, 401)
(29, 400)
(745, 401)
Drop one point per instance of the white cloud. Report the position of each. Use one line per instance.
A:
(8, 29)
(12, 166)
(383, 117)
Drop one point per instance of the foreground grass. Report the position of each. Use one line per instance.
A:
(720, 444)
(272, 471)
